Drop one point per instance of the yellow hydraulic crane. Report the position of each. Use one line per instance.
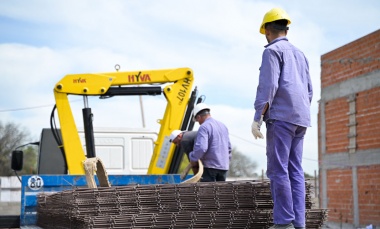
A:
(177, 91)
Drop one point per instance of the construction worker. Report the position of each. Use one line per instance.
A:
(185, 140)
(283, 101)
(212, 145)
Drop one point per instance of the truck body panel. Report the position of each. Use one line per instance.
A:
(123, 151)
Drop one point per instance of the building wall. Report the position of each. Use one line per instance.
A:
(349, 133)
(336, 124)
(10, 196)
(351, 60)
(368, 115)
(339, 184)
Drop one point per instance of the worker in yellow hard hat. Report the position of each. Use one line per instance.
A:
(283, 101)
(275, 15)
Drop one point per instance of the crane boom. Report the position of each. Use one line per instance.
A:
(178, 86)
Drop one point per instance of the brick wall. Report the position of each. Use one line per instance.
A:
(368, 119)
(351, 60)
(339, 189)
(369, 194)
(336, 124)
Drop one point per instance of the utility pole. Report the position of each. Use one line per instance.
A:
(142, 112)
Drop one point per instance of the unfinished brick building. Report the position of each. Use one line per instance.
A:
(349, 133)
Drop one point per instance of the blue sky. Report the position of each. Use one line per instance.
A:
(42, 41)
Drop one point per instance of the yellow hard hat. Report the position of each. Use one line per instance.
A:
(274, 15)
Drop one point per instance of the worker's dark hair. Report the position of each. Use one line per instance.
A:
(277, 26)
(204, 112)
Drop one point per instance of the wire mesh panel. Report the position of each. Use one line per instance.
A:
(231, 204)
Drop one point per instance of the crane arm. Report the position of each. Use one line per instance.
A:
(177, 91)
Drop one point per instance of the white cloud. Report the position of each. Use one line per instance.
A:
(44, 40)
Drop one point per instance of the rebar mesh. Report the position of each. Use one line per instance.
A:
(237, 204)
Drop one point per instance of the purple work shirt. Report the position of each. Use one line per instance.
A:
(212, 145)
(284, 83)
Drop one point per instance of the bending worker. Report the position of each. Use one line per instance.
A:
(285, 87)
(212, 145)
(185, 141)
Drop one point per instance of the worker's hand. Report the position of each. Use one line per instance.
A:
(195, 166)
(195, 170)
(256, 128)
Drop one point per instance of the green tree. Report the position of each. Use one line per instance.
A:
(30, 161)
(241, 165)
(12, 136)
(308, 175)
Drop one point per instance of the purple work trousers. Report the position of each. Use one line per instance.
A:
(284, 169)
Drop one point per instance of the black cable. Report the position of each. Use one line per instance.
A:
(53, 127)
(30, 143)
(17, 175)
(56, 135)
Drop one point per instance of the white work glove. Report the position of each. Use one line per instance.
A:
(256, 128)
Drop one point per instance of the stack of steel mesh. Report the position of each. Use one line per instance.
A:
(240, 204)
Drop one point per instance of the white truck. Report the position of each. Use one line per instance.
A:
(123, 150)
